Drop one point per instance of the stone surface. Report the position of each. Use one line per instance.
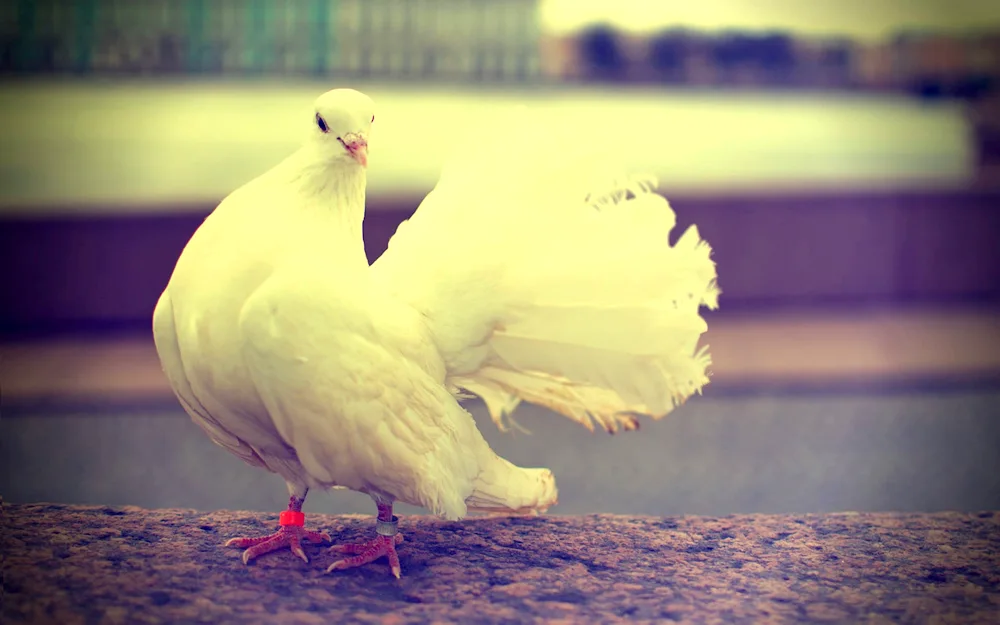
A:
(72, 564)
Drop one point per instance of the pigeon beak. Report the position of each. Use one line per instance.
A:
(357, 146)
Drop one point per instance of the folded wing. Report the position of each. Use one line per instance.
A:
(350, 387)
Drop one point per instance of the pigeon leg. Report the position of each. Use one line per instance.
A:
(290, 534)
(384, 544)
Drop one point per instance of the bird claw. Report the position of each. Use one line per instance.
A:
(287, 536)
(297, 550)
(366, 552)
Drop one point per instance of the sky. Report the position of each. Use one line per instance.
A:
(864, 19)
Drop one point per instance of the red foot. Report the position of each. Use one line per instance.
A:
(287, 536)
(366, 552)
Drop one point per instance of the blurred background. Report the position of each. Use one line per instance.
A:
(840, 156)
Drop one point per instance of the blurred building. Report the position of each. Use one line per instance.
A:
(697, 47)
(937, 65)
(874, 67)
(929, 64)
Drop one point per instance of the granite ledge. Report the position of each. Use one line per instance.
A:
(105, 565)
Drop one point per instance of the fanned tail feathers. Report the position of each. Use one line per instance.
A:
(559, 288)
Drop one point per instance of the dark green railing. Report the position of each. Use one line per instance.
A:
(89, 35)
(261, 36)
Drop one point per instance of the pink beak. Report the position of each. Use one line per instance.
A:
(357, 147)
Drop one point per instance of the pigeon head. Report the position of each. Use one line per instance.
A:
(342, 123)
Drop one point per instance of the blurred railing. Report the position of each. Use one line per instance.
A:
(364, 38)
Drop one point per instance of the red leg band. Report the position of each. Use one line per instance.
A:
(291, 517)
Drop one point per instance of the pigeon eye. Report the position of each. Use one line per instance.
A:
(321, 123)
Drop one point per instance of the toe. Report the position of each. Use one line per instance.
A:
(394, 563)
(297, 550)
(267, 545)
(255, 551)
(366, 553)
(317, 537)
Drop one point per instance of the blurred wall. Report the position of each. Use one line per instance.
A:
(839, 250)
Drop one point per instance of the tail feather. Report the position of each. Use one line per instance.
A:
(505, 488)
(558, 290)
(502, 390)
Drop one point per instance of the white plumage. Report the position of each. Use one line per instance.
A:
(524, 276)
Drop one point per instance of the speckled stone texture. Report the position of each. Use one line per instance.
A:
(71, 564)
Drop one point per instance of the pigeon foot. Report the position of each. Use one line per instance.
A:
(290, 536)
(366, 552)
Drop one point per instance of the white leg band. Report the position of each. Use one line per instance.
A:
(387, 528)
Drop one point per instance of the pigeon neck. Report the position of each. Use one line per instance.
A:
(337, 189)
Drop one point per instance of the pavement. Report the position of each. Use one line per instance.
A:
(106, 564)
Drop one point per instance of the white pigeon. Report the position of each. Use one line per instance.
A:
(519, 278)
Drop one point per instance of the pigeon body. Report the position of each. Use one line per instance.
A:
(518, 279)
